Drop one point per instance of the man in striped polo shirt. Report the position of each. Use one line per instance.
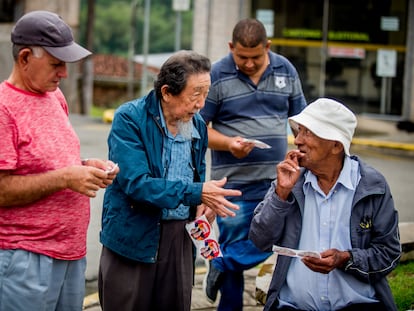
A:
(253, 92)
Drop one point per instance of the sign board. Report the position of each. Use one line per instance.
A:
(386, 63)
(390, 23)
(267, 19)
(343, 52)
(181, 5)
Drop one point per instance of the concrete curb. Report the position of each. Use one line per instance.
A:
(383, 144)
(90, 301)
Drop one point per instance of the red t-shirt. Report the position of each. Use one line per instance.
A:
(36, 136)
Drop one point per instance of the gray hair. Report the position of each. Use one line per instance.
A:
(37, 51)
(175, 71)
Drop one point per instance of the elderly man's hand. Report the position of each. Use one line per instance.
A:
(330, 260)
(203, 209)
(288, 172)
(213, 195)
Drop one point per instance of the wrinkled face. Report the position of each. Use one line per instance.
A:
(43, 73)
(314, 149)
(250, 60)
(185, 105)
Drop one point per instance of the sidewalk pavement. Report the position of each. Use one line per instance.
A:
(370, 132)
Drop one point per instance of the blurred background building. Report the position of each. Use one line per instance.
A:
(360, 52)
(357, 51)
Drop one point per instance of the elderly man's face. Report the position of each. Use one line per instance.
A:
(43, 74)
(185, 105)
(315, 150)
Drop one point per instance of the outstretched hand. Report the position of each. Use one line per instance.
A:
(213, 195)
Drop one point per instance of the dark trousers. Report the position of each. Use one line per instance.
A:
(129, 285)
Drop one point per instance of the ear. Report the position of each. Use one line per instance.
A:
(164, 92)
(231, 46)
(338, 148)
(23, 57)
(267, 46)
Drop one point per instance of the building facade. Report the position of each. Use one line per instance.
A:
(357, 51)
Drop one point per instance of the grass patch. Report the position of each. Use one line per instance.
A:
(401, 281)
(97, 112)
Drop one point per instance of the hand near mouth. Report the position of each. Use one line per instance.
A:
(288, 172)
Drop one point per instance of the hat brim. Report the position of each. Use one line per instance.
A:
(324, 131)
(69, 54)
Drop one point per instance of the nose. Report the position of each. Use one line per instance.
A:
(249, 63)
(200, 103)
(63, 71)
(298, 138)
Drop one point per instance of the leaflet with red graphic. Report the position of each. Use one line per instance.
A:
(204, 238)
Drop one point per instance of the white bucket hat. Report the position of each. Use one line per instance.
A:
(327, 119)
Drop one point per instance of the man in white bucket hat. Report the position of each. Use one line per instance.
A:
(333, 204)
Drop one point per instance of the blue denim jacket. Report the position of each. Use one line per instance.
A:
(376, 247)
(133, 203)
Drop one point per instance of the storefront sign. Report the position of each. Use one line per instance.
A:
(341, 52)
(390, 23)
(267, 19)
(386, 63)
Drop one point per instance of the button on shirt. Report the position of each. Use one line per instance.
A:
(326, 221)
(177, 162)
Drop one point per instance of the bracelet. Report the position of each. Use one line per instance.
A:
(83, 161)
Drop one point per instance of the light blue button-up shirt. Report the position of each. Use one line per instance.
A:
(325, 225)
(177, 162)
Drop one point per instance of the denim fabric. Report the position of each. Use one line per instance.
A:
(239, 254)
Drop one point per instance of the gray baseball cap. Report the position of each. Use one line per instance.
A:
(48, 30)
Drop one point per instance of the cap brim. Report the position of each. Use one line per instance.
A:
(69, 53)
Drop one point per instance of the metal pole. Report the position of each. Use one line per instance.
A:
(324, 48)
(178, 25)
(145, 48)
(408, 95)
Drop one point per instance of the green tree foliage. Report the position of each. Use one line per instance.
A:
(112, 26)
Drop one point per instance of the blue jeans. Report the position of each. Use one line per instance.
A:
(239, 254)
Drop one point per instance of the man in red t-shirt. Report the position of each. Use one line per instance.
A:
(44, 185)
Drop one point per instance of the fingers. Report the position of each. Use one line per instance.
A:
(239, 148)
(291, 162)
(330, 260)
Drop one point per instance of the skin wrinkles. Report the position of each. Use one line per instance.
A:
(41, 74)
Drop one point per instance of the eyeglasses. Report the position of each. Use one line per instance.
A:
(304, 132)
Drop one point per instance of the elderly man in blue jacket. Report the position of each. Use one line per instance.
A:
(327, 201)
(159, 142)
